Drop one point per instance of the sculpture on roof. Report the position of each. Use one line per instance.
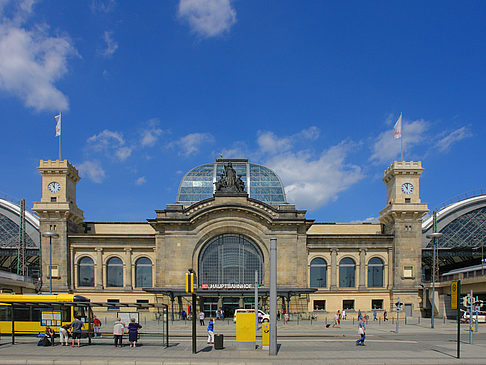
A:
(229, 182)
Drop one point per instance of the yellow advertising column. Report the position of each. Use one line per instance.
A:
(245, 330)
(265, 335)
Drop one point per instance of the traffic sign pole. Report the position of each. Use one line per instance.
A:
(458, 319)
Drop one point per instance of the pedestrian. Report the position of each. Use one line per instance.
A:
(359, 315)
(49, 335)
(118, 330)
(339, 318)
(374, 316)
(211, 331)
(336, 319)
(201, 318)
(286, 317)
(76, 326)
(343, 315)
(361, 332)
(133, 328)
(260, 316)
(385, 316)
(64, 334)
(96, 327)
(183, 315)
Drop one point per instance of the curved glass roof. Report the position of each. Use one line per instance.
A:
(261, 183)
(463, 224)
(9, 226)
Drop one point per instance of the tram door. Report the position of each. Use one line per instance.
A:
(229, 306)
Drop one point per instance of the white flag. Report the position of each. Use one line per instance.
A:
(397, 129)
(58, 124)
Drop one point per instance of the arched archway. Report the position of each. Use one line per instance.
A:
(230, 259)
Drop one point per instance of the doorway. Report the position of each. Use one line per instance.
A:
(229, 306)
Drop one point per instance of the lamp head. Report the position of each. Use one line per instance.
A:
(434, 235)
(49, 234)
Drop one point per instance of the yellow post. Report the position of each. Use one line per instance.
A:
(454, 295)
(265, 335)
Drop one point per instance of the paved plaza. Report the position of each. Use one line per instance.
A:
(299, 343)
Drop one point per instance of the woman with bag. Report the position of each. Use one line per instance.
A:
(361, 332)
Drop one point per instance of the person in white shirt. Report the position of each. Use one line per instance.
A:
(118, 331)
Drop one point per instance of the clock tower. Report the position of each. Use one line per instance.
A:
(402, 217)
(58, 214)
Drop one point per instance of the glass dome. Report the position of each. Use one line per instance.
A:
(261, 183)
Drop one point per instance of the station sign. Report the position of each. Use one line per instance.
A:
(227, 286)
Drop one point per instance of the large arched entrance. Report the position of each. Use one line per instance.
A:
(229, 261)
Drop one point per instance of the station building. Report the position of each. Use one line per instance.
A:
(225, 237)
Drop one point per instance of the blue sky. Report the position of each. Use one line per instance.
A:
(312, 89)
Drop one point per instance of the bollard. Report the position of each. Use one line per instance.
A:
(393, 320)
(418, 320)
(353, 321)
(379, 320)
(405, 319)
(326, 321)
(444, 319)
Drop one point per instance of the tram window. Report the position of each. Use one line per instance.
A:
(22, 314)
(5, 313)
(79, 312)
(36, 314)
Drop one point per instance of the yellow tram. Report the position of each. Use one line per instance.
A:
(33, 312)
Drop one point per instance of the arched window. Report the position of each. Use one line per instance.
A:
(230, 259)
(347, 269)
(114, 273)
(85, 272)
(143, 273)
(318, 273)
(375, 273)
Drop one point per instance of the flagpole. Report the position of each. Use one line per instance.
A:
(401, 137)
(60, 117)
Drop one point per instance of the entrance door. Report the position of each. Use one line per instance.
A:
(229, 306)
(210, 307)
(408, 310)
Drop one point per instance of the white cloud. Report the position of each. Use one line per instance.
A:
(32, 61)
(102, 6)
(151, 134)
(111, 44)
(386, 148)
(92, 170)
(141, 180)
(208, 18)
(446, 142)
(268, 142)
(110, 143)
(191, 143)
(311, 182)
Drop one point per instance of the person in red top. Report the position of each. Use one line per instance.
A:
(96, 326)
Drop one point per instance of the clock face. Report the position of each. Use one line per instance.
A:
(54, 187)
(407, 188)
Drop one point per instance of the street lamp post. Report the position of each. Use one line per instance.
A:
(50, 235)
(434, 237)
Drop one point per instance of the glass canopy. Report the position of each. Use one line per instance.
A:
(261, 183)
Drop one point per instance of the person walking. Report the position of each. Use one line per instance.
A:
(76, 326)
(183, 315)
(374, 316)
(343, 315)
(211, 331)
(118, 330)
(96, 327)
(336, 319)
(133, 328)
(385, 316)
(361, 332)
(201, 318)
(359, 314)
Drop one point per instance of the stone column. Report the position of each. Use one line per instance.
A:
(362, 269)
(74, 270)
(334, 252)
(390, 268)
(99, 269)
(128, 269)
(242, 302)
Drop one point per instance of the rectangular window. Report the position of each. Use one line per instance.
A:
(55, 271)
(53, 199)
(377, 304)
(348, 304)
(143, 307)
(114, 301)
(408, 271)
(407, 200)
(319, 305)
